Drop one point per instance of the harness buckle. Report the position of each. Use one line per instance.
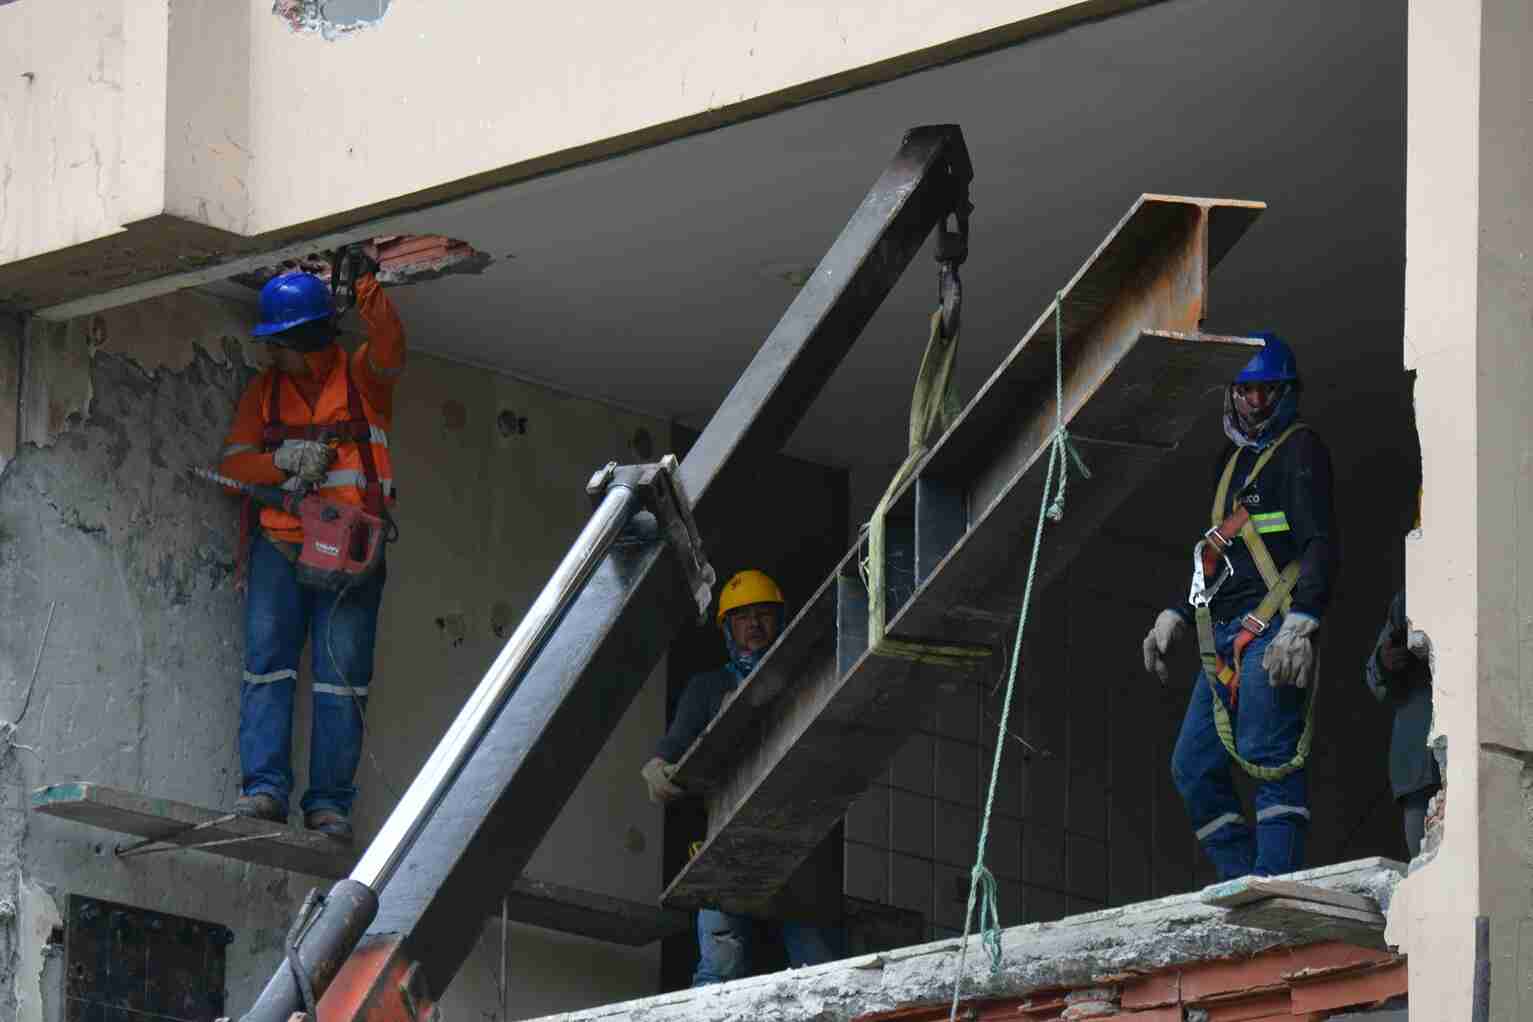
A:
(1202, 592)
(1253, 624)
(1220, 543)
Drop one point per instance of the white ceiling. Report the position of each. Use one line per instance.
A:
(651, 279)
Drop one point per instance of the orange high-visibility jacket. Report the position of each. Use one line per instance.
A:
(374, 368)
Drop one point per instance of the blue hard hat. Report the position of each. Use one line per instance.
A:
(291, 299)
(1275, 363)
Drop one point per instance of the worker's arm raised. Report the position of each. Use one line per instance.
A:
(381, 359)
(243, 458)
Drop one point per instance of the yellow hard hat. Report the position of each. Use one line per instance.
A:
(747, 587)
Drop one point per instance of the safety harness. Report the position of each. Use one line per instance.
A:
(357, 429)
(1211, 562)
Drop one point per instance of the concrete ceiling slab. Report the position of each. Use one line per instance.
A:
(650, 280)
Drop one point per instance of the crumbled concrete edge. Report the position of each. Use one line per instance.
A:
(35, 916)
(467, 260)
(312, 16)
(162, 334)
(1073, 952)
(421, 260)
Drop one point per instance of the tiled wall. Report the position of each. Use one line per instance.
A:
(1088, 820)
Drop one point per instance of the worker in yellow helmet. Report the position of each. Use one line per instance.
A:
(751, 611)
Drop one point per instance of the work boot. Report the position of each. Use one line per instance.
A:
(260, 806)
(330, 823)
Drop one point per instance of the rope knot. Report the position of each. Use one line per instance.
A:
(983, 885)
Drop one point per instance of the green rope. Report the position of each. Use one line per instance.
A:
(982, 886)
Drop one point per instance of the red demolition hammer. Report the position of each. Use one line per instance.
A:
(342, 543)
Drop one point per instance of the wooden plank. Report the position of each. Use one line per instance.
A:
(1244, 891)
(1311, 921)
(163, 819)
(535, 902)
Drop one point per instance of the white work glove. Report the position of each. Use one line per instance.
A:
(309, 460)
(1291, 656)
(1420, 645)
(657, 774)
(1169, 627)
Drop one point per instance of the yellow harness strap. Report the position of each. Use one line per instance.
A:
(1279, 597)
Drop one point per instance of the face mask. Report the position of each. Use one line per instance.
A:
(742, 662)
(1285, 410)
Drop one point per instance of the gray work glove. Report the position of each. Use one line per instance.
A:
(309, 460)
(1169, 627)
(1420, 645)
(657, 774)
(1290, 657)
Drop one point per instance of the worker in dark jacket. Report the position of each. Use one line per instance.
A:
(1261, 585)
(1399, 674)
(751, 616)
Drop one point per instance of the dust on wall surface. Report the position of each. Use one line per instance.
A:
(138, 682)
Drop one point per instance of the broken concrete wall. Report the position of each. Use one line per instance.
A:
(138, 680)
(136, 683)
(1466, 917)
(1097, 949)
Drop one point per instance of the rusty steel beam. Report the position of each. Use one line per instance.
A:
(823, 715)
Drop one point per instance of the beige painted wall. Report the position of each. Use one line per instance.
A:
(227, 125)
(1469, 326)
(435, 93)
(82, 120)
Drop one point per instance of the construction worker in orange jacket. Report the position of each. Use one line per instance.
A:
(318, 419)
(751, 612)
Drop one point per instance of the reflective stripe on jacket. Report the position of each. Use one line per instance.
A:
(346, 481)
(374, 368)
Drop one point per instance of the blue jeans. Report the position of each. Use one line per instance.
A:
(279, 615)
(1268, 723)
(724, 946)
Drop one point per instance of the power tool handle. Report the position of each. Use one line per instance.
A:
(275, 496)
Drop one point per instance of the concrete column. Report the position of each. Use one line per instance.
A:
(1469, 336)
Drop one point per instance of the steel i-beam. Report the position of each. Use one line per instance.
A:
(823, 714)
